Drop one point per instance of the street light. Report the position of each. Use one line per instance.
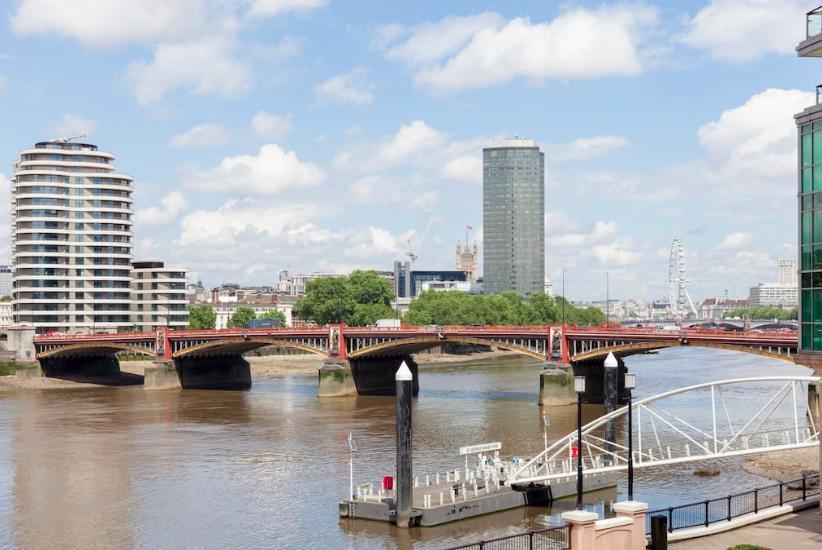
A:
(630, 384)
(352, 446)
(563, 296)
(579, 387)
(545, 425)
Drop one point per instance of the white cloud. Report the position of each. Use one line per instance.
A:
(584, 148)
(619, 252)
(735, 240)
(170, 207)
(72, 125)
(242, 221)
(210, 66)
(429, 42)
(276, 7)
(742, 30)
(752, 148)
(465, 168)
(108, 23)
(271, 126)
(376, 241)
(485, 50)
(202, 135)
(271, 170)
(349, 88)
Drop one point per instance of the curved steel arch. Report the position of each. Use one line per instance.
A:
(262, 341)
(98, 345)
(433, 341)
(639, 347)
(557, 462)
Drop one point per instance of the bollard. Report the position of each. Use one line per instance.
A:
(659, 533)
(404, 491)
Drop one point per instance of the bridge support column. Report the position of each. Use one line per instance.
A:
(162, 375)
(556, 387)
(91, 365)
(596, 389)
(375, 375)
(336, 379)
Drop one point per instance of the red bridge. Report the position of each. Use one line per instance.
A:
(363, 359)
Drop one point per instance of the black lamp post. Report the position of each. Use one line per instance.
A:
(579, 387)
(630, 384)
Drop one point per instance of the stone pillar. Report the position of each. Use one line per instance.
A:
(335, 379)
(161, 375)
(636, 512)
(556, 387)
(583, 529)
(20, 340)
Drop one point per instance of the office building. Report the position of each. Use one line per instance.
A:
(773, 295)
(467, 260)
(294, 285)
(786, 272)
(70, 239)
(5, 280)
(809, 181)
(402, 279)
(419, 278)
(513, 213)
(158, 296)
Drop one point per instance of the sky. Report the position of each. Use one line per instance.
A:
(326, 135)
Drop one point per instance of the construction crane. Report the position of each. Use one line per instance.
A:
(412, 254)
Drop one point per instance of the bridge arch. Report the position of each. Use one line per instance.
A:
(95, 348)
(624, 350)
(242, 345)
(422, 343)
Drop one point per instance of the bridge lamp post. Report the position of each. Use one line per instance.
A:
(545, 425)
(579, 388)
(630, 384)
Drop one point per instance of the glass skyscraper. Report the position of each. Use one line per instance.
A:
(513, 215)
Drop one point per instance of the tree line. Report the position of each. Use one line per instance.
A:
(203, 317)
(762, 313)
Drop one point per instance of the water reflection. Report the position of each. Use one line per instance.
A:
(266, 468)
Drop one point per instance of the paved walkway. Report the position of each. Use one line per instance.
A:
(793, 531)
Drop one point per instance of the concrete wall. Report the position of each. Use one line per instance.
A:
(21, 342)
(626, 531)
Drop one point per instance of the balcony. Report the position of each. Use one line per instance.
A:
(812, 45)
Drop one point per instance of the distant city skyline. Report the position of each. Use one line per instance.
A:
(307, 135)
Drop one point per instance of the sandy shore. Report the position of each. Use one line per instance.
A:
(265, 366)
(783, 465)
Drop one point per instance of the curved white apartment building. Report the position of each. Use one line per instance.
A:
(71, 239)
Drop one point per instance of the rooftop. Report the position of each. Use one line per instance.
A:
(511, 143)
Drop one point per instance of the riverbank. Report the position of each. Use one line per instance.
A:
(261, 367)
(783, 465)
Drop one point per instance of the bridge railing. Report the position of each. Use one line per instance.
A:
(704, 513)
(551, 538)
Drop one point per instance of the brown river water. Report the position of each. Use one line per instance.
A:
(120, 467)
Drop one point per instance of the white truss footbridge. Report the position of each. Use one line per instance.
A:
(741, 416)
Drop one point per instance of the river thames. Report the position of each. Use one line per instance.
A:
(120, 467)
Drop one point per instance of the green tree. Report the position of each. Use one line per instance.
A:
(357, 299)
(241, 317)
(273, 314)
(202, 317)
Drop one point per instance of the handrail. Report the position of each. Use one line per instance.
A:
(550, 538)
(701, 513)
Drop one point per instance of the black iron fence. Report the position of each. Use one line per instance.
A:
(715, 510)
(552, 538)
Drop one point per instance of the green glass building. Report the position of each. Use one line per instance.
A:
(809, 126)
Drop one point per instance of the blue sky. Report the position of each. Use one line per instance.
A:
(324, 134)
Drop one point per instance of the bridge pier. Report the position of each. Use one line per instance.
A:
(375, 375)
(597, 391)
(336, 379)
(556, 386)
(161, 375)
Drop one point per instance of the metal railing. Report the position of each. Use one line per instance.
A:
(813, 22)
(707, 512)
(551, 538)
